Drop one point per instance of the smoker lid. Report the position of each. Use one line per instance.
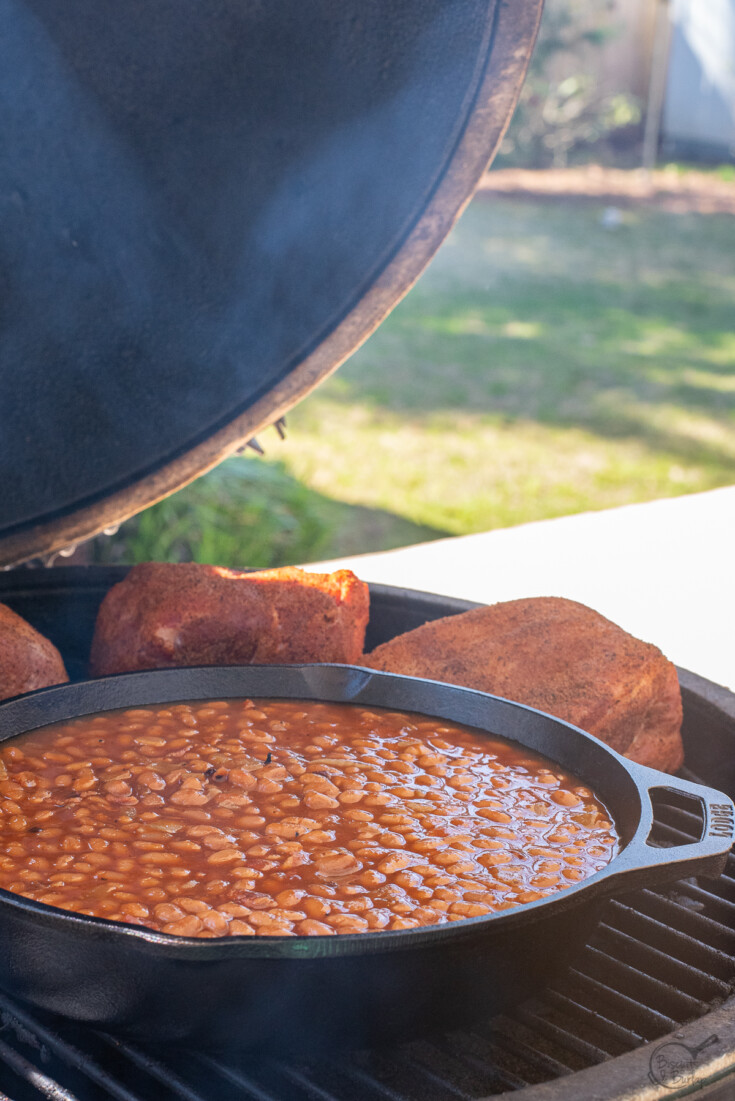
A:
(204, 209)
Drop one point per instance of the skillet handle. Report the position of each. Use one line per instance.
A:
(706, 856)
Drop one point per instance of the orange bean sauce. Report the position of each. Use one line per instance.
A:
(281, 817)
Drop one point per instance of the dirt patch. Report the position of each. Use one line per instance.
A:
(682, 193)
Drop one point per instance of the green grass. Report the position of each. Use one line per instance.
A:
(724, 172)
(542, 366)
(250, 513)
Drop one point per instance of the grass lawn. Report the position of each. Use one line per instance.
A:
(543, 365)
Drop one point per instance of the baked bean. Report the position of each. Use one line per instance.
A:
(350, 796)
(315, 907)
(189, 823)
(347, 923)
(295, 860)
(187, 797)
(135, 910)
(403, 923)
(289, 898)
(310, 927)
(337, 863)
(395, 863)
(187, 927)
(566, 798)
(359, 815)
(371, 878)
(239, 928)
(318, 837)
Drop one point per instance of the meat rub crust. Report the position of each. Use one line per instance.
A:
(27, 659)
(174, 614)
(560, 657)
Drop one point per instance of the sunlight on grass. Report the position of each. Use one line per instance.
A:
(459, 324)
(656, 338)
(702, 431)
(472, 473)
(542, 366)
(522, 330)
(725, 384)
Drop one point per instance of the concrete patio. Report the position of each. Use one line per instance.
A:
(663, 571)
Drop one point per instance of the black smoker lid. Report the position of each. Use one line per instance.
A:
(204, 208)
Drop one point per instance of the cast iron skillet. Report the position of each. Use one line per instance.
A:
(301, 992)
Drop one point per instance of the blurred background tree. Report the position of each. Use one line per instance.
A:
(564, 112)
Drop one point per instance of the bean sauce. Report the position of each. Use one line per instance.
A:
(283, 817)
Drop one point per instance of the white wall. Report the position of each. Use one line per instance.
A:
(700, 94)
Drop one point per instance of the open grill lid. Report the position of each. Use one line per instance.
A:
(204, 209)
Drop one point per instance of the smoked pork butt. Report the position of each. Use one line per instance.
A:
(560, 657)
(173, 614)
(27, 659)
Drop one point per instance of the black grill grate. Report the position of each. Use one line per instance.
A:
(658, 959)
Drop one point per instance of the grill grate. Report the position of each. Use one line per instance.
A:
(658, 959)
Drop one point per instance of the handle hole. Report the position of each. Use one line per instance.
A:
(678, 819)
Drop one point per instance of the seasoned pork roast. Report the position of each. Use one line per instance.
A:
(168, 614)
(560, 657)
(27, 659)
